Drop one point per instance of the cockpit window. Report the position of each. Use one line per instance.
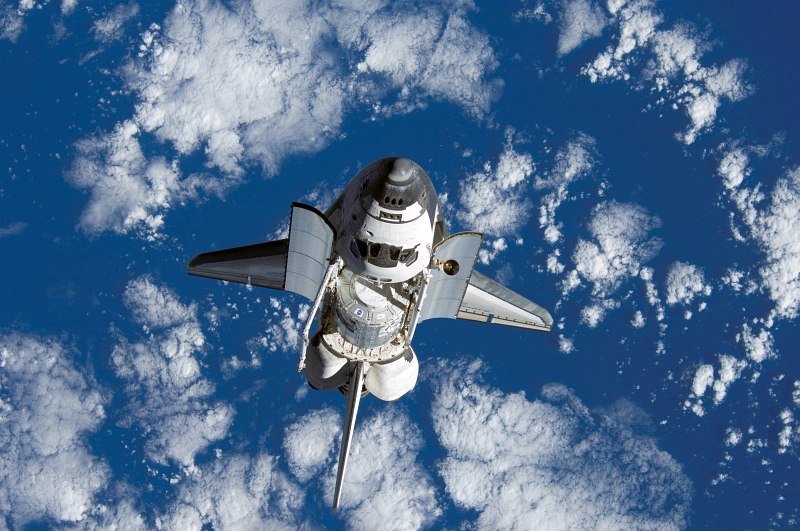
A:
(381, 254)
(362, 248)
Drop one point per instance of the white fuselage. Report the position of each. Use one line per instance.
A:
(386, 235)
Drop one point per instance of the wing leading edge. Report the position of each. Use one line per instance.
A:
(264, 264)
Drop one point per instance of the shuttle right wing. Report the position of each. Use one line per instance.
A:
(486, 299)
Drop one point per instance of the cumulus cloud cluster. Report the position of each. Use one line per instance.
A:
(493, 201)
(621, 243)
(111, 26)
(550, 463)
(671, 57)
(730, 369)
(383, 472)
(580, 21)
(309, 441)
(254, 83)
(385, 487)
(573, 161)
(684, 283)
(758, 346)
(47, 409)
(167, 395)
(236, 492)
(126, 190)
(774, 227)
(12, 18)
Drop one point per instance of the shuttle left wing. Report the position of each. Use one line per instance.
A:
(297, 263)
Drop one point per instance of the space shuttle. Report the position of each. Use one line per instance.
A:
(377, 263)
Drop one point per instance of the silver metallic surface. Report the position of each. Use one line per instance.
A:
(314, 307)
(367, 314)
(448, 284)
(351, 410)
(485, 297)
(310, 244)
(325, 369)
(391, 380)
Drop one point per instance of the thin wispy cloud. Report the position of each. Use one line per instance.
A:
(13, 229)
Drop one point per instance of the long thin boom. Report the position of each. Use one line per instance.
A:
(353, 399)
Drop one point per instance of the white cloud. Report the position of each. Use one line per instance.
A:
(553, 265)
(594, 314)
(260, 82)
(733, 167)
(127, 191)
(310, 441)
(167, 394)
(565, 344)
(283, 327)
(580, 21)
(111, 27)
(537, 13)
(12, 18)
(777, 229)
(68, 7)
(703, 379)
(672, 58)
(13, 229)
(119, 517)
(774, 227)
(730, 369)
(236, 492)
(733, 437)
(47, 408)
(684, 282)
(638, 320)
(493, 201)
(786, 434)
(758, 347)
(574, 161)
(385, 487)
(646, 274)
(491, 249)
(549, 463)
(155, 307)
(621, 244)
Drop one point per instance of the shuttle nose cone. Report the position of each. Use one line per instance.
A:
(402, 170)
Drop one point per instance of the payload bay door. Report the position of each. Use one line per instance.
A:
(454, 257)
(311, 238)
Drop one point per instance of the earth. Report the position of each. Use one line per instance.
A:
(634, 166)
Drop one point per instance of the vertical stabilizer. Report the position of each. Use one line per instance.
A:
(353, 399)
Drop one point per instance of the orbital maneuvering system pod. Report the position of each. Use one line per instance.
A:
(377, 263)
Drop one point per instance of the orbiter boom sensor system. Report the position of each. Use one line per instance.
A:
(377, 263)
